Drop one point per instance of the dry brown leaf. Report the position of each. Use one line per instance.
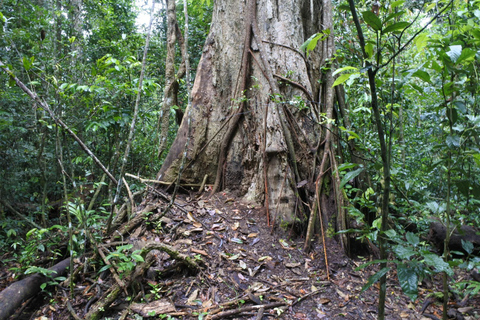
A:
(193, 296)
(292, 265)
(202, 252)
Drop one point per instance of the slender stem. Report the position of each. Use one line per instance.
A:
(385, 161)
(134, 119)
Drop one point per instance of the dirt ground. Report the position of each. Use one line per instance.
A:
(248, 271)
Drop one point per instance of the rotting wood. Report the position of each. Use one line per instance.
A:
(14, 295)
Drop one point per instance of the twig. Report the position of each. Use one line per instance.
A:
(306, 296)
(112, 270)
(20, 215)
(229, 313)
(190, 262)
(288, 47)
(296, 84)
(413, 37)
(130, 196)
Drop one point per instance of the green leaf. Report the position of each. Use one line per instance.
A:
(438, 263)
(346, 166)
(138, 258)
(349, 176)
(467, 246)
(408, 281)
(461, 106)
(351, 134)
(417, 87)
(311, 43)
(421, 41)
(476, 157)
(395, 27)
(455, 52)
(403, 252)
(344, 69)
(467, 55)
(344, 7)
(372, 20)
(435, 66)
(423, 75)
(28, 62)
(375, 278)
(394, 15)
(453, 141)
(412, 238)
(344, 77)
(397, 3)
(369, 50)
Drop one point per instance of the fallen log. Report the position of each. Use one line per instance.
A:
(438, 233)
(12, 297)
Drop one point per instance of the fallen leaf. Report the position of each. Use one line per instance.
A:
(465, 309)
(267, 258)
(292, 265)
(193, 296)
(256, 240)
(342, 295)
(242, 264)
(236, 240)
(301, 183)
(218, 227)
(284, 244)
(324, 300)
(202, 252)
(190, 217)
(236, 225)
(252, 235)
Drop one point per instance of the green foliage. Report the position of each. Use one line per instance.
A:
(125, 261)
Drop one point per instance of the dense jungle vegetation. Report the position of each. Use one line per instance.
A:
(406, 126)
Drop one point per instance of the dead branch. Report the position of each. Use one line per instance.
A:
(190, 262)
(230, 313)
(14, 295)
(19, 214)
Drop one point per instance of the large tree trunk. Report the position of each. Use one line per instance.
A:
(247, 103)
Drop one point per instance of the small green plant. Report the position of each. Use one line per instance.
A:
(200, 315)
(156, 291)
(125, 262)
(47, 273)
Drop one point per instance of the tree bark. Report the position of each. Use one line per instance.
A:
(261, 129)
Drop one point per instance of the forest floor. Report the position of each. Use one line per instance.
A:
(247, 272)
